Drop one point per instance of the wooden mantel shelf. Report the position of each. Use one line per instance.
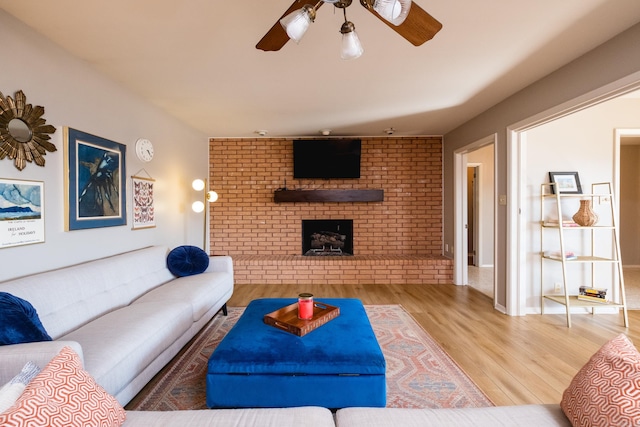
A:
(283, 196)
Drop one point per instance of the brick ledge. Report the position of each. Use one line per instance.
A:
(358, 269)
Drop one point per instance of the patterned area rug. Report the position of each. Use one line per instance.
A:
(419, 373)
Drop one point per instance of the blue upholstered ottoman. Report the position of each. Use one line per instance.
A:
(338, 365)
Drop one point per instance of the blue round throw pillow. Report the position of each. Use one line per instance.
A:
(19, 321)
(187, 261)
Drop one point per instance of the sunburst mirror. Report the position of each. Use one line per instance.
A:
(24, 134)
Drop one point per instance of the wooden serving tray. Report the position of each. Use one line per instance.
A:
(287, 319)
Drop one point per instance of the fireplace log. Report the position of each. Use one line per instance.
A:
(327, 238)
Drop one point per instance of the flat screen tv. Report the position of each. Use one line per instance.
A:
(326, 158)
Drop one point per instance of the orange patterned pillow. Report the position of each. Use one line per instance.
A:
(64, 394)
(606, 391)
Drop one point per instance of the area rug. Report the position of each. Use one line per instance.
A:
(420, 374)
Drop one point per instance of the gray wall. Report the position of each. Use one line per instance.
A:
(76, 96)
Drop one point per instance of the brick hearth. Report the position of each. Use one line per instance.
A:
(397, 240)
(364, 269)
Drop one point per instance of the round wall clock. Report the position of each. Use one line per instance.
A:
(144, 150)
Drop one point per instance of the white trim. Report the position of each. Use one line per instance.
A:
(460, 273)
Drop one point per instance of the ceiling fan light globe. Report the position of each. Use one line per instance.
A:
(351, 46)
(297, 23)
(394, 11)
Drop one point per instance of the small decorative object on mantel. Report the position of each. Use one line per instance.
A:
(23, 133)
(585, 216)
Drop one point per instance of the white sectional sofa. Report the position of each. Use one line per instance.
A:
(508, 416)
(126, 315)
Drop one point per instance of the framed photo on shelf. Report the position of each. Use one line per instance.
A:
(142, 202)
(95, 184)
(21, 212)
(565, 182)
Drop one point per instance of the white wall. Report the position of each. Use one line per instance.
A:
(608, 67)
(581, 142)
(76, 96)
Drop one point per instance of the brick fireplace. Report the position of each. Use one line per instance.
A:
(264, 237)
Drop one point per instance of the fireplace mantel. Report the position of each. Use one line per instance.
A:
(283, 196)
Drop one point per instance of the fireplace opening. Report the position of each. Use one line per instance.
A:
(327, 237)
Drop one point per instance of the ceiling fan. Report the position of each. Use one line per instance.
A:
(405, 17)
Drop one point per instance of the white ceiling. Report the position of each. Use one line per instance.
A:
(197, 59)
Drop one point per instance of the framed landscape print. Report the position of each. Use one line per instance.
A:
(142, 202)
(566, 182)
(95, 181)
(21, 212)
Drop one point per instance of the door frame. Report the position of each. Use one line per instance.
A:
(516, 267)
(460, 249)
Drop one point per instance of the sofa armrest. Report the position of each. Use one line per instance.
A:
(14, 357)
(220, 263)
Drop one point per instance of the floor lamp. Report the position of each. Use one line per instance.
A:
(200, 205)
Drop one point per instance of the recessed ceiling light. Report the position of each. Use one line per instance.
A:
(261, 132)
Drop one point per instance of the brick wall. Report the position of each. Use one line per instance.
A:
(246, 221)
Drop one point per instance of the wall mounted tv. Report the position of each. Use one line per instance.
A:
(326, 158)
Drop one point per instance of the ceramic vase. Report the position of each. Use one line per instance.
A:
(585, 216)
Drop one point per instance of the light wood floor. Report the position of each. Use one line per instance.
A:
(514, 360)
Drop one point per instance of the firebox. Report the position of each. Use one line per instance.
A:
(327, 237)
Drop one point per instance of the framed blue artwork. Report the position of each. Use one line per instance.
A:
(95, 181)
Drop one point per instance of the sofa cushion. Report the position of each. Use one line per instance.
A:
(69, 297)
(11, 391)
(508, 416)
(118, 345)
(64, 394)
(19, 321)
(201, 291)
(307, 416)
(187, 260)
(606, 391)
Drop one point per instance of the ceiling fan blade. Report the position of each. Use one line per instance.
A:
(419, 27)
(277, 37)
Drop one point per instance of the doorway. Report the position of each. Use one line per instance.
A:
(627, 144)
(522, 259)
(472, 201)
(475, 219)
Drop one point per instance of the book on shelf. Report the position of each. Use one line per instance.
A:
(587, 293)
(592, 299)
(568, 255)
